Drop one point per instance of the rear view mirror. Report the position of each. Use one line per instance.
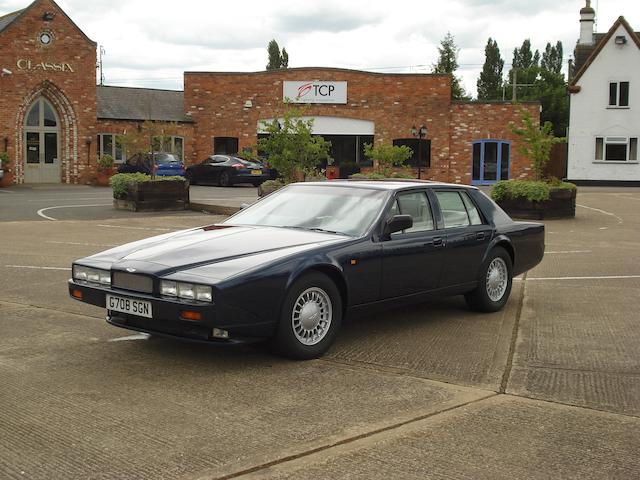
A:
(398, 223)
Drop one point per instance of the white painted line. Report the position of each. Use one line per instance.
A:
(136, 228)
(2, 190)
(602, 211)
(42, 210)
(139, 336)
(83, 244)
(562, 252)
(605, 277)
(33, 267)
(65, 199)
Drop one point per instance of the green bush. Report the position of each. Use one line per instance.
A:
(120, 182)
(381, 176)
(535, 191)
(105, 163)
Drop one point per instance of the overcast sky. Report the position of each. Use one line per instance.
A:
(150, 43)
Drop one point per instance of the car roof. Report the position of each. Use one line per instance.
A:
(390, 184)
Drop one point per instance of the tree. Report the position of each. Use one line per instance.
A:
(291, 148)
(277, 59)
(490, 81)
(535, 142)
(150, 137)
(387, 157)
(448, 63)
(526, 63)
(552, 58)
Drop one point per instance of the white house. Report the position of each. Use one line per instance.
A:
(604, 121)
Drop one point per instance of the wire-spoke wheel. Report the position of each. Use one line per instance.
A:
(494, 282)
(310, 318)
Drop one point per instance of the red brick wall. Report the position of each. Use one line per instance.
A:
(73, 94)
(478, 121)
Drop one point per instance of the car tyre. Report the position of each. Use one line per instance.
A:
(494, 282)
(310, 318)
(225, 180)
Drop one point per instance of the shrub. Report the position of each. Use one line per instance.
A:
(105, 163)
(4, 160)
(529, 190)
(388, 157)
(120, 182)
(382, 176)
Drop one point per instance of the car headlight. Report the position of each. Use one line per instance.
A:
(97, 276)
(188, 291)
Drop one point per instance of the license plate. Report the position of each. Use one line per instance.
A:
(142, 308)
(256, 172)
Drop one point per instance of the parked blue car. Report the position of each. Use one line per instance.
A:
(166, 164)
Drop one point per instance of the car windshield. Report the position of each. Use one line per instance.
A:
(331, 208)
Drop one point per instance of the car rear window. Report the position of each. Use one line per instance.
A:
(165, 159)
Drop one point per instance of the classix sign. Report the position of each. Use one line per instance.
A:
(315, 92)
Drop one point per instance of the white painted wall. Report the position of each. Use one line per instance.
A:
(591, 116)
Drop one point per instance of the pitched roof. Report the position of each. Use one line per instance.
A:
(585, 54)
(7, 19)
(125, 103)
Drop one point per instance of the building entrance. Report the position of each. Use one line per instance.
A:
(42, 144)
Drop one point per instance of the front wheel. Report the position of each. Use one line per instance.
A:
(494, 283)
(225, 179)
(310, 319)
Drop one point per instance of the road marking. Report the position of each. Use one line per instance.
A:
(604, 277)
(65, 199)
(561, 252)
(5, 191)
(139, 336)
(40, 212)
(33, 267)
(83, 244)
(136, 228)
(602, 211)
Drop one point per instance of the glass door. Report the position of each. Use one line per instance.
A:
(42, 156)
(490, 161)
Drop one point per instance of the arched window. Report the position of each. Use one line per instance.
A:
(42, 114)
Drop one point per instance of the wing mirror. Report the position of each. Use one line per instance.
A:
(398, 223)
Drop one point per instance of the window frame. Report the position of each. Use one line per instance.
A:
(114, 139)
(499, 147)
(404, 233)
(615, 94)
(461, 193)
(601, 143)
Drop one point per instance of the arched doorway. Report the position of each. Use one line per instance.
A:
(42, 143)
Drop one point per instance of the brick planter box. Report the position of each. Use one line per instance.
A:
(155, 195)
(561, 204)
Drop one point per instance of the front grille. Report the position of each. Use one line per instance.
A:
(130, 281)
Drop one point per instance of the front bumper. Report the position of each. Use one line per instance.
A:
(241, 325)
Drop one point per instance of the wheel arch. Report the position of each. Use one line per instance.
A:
(504, 242)
(334, 274)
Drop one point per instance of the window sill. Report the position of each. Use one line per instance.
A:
(603, 162)
(614, 107)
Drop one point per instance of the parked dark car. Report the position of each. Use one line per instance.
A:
(227, 170)
(166, 164)
(290, 266)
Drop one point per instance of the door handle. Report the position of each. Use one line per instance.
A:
(438, 242)
(480, 236)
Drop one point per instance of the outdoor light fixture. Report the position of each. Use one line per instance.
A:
(48, 16)
(620, 40)
(420, 133)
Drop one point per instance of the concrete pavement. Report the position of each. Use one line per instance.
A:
(547, 388)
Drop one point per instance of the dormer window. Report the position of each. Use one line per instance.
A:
(619, 94)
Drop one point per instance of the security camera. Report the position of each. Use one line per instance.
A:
(6, 71)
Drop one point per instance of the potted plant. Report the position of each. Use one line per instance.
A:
(542, 197)
(105, 169)
(6, 179)
(139, 192)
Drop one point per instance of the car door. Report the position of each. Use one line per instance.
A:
(466, 235)
(412, 259)
(202, 172)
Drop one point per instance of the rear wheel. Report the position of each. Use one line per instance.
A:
(225, 179)
(310, 319)
(494, 283)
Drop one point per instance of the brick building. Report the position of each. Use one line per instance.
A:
(55, 121)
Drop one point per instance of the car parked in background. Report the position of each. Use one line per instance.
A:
(166, 164)
(227, 170)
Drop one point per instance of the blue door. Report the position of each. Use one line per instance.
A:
(490, 161)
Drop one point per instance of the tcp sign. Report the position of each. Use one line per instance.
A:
(315, 92)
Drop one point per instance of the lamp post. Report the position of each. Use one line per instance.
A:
(420, 133)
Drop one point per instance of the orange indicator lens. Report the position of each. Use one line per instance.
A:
(77, 294)
(190, 315)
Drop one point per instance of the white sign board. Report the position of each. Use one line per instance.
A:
(315, 92)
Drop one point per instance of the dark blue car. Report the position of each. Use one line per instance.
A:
(166, 164)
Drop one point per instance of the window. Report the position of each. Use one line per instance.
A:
(416, 205)
(490, 161)
(458, 210)
(109, 144)
(619, 94)
(423, 148)
(225, 145)
(169, 144)
(616, 149)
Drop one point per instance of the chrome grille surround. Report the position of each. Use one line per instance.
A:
(132, 281)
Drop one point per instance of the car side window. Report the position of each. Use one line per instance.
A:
(472, 210)
(453, 210)
(417, 205)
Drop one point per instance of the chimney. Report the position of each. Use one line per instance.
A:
(587, 20)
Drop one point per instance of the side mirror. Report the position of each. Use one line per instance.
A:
(398, 223)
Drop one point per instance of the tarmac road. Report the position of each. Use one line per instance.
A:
(547, 388)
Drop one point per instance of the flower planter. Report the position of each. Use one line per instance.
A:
(561, 204)
(103, 176)
(155, 195)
